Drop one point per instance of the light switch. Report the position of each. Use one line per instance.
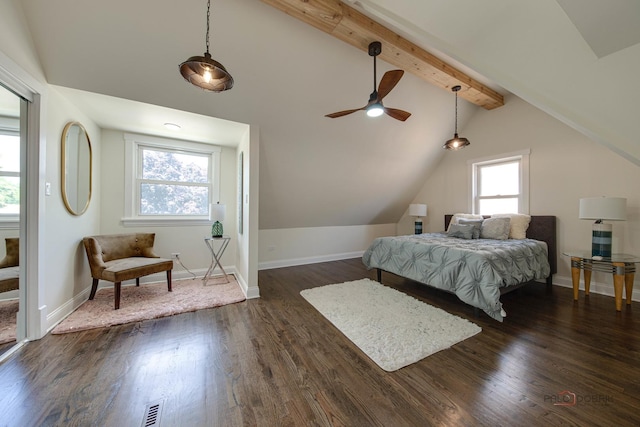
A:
(47, 188)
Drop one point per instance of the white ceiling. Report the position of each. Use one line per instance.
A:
(132, 116)
(607, 26)
(317, 171)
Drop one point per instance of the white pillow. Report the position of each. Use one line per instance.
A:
(456, 217)
(519, 224)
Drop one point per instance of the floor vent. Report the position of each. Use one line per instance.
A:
(152, 415)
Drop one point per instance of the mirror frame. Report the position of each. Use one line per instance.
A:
(65, 199)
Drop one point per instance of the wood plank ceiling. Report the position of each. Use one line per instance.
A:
(349, 25)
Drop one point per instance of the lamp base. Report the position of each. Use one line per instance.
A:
(216, 229)
(601, 240)
(418, 226)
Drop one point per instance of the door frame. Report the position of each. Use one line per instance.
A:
(32, 314)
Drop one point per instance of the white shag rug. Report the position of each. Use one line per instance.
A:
(392, 328)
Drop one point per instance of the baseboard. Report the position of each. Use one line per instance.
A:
(595, 288)
(267, 265)
(60, 313)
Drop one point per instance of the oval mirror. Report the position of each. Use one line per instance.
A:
(76, 168)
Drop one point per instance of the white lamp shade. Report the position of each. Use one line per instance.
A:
(417, 210)
(609, 208)
(218, 212)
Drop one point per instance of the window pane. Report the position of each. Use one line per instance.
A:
(159, 199)
(9, 153)
(177, 167)
(9, 195)
(500, 179)
(494, 206)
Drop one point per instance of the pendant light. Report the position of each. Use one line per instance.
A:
(456, 142)
(204, 72)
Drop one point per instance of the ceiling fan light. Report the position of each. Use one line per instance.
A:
(375, 110)
(456, 143)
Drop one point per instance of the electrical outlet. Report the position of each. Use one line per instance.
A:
(175, 254)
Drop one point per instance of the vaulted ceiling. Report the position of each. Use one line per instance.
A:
(317, 171)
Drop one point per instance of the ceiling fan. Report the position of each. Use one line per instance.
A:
(374, 107)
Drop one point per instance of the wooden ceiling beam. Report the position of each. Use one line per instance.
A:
(351, 26)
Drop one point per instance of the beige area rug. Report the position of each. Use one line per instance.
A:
(151, 301)
(8, 312)
(392, 328)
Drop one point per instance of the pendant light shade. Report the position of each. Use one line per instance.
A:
(205, 72)
(456, 142)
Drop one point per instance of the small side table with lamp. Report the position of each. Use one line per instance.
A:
(601, 258)
(418, 211)
(218, 213)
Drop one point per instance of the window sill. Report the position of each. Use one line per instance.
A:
(165, 222)
(9, 224)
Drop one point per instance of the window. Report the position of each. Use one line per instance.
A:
(500, 184)
(169, 181)
(9, 170)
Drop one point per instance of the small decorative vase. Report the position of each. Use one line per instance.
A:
(216, 229)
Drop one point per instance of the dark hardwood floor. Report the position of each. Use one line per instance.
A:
(275, 361)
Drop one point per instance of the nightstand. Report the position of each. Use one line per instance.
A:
(622, 266)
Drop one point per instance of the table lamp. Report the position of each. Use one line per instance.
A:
(217, 215)
(418, 211)
(603, 208)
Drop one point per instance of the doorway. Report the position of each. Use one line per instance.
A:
(12, 186)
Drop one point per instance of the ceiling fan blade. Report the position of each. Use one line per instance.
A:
(397, 114)
(388, 82)
(343, 113)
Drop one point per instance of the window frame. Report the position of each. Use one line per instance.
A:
(520, 157)
(134, 143)
(10, 126)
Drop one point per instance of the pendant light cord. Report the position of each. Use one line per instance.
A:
(456, 131)
(208, 19)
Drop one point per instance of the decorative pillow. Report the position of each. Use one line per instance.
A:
(495, 228)
(461, 231)
(456, 217)
(477, 225)
(519, 224)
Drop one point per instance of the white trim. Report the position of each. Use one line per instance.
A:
(132, 144)
(521, 156)
(164, 222)
(31, 319)
(267, 265)
(600, 288)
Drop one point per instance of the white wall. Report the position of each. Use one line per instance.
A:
(247, 235)
(564, 167)
(295, 246)
(186, 240)
(65, 266)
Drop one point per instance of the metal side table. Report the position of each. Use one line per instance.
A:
(216, 255)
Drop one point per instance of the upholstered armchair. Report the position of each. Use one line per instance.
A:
(120, 257)
(10, 265)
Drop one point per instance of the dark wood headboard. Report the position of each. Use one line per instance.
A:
(541, 227)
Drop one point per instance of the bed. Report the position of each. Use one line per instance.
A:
(478, 271)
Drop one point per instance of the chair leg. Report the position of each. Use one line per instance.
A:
(94, 288)
(169, 280)
(137, 281)
(117, 287)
